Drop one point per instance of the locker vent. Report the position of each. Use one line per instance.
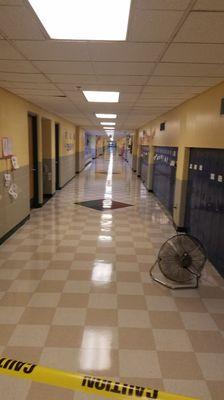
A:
(222, 107)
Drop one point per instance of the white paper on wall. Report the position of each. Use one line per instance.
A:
(15, 162)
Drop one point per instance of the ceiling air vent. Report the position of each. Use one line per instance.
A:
(222, 107)
(162, 126)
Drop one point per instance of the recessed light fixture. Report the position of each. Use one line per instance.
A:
(84, 19)
(111, 116)
(101, 96)
(108, 123)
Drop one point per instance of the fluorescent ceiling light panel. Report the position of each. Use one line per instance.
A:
(108, 128)
(101, 96)
(84, 19)
(102, 116)
(108, 123)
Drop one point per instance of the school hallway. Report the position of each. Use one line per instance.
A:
(76, 293)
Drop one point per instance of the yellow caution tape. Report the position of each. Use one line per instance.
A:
(80, 382)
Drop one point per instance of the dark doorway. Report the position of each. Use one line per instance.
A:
(57, 160)
(33, 160)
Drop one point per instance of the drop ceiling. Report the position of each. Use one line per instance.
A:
(174, 51)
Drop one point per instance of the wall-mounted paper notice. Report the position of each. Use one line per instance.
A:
(15, 162)
(6, 147)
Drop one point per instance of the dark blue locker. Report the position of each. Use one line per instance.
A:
(164, 175)
(144, 163)
(205, 202)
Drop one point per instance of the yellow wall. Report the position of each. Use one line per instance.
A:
(14, 124)
(195, 123)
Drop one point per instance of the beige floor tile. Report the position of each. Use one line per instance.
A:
(64, 336)
(101, 317)
(73, 300)
(64, 358)
(190, 305)
(160, 303)
(29, 335)
(9, 274)
(214, 305)
(198, 321)
(100, 337)
(216, 389)
(37, 316)
(12, 389)
(190, 388)
(166, 320)
(219, 320)
(20, 285)
(31, 274)
(44, 300)
(136, 338)
(39, 392)
(139, 364)
(172, 340)
(69, 316)
(60, 265)
(11, 317)
(179, 365)
(15, 299)
(102, 301)
(133, 319)
(107, 364)
(77, 287)
(51, 286)
(133, 302)
(23, 353)
(206, 341)
(55, 275)
(5, 333)
(131, 288)
(212, 365)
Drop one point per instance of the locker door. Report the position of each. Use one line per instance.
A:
(205, 202)
(164, 175)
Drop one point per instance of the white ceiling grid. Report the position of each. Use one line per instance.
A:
(174, 51)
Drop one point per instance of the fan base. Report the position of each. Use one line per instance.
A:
(192, 284)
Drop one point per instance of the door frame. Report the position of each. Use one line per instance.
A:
(35, 159)
(57, 156)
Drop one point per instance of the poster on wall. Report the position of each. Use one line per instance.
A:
(6, 147)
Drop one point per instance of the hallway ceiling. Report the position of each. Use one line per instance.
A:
(174, 50)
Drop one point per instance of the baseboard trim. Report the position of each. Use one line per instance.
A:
(66, 183)
(14, 229)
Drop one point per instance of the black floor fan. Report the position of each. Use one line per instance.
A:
(180, 260)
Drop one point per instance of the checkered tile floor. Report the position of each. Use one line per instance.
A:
(75, 294)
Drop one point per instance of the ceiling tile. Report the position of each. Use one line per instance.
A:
(77, 80)
(202, 27)
(175, 81)
(36, 92)
(161, 4)
(119, 68)
(53, 104)
(54, 50)
(13, 77)
(172, 90)
(19, 23)
(116, 88)
(7, 52)
(209, 5)
(122, 79)
(17, 66)
(153, 26)
(187, 69)
(64, 67)
(28, 85)
(11, 2)
(125, 51)
(195, 53)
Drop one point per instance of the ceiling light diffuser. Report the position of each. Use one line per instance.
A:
(111, 116)
(108, 123)
(108, 128)
(101, 96)
(84, 19)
